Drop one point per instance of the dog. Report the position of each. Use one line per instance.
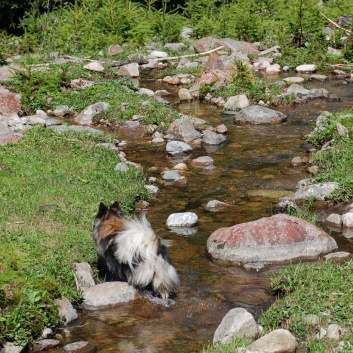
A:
(130, 251)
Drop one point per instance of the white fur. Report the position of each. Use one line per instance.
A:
(137, 246)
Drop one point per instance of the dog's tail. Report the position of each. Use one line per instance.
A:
(142, 250)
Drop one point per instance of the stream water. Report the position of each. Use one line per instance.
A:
(253, 171)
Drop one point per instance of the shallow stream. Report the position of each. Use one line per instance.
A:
(253, 171)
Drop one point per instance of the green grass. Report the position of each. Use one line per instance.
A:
(323, 289)
(226, 348)
(51, 186)
(336, 162)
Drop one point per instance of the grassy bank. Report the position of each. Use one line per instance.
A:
(51, 186)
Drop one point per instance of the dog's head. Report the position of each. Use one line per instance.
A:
(114, 210)
(108, 221)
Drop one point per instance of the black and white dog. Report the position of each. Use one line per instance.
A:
(131, 251)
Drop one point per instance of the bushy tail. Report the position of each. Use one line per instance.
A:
(139, 247)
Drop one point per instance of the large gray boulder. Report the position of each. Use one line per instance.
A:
(105, 295)
(257, 114)
(86, 116)
(275, 239)
(212, 138)
(177, 147)
(184, 129)
(317, 192)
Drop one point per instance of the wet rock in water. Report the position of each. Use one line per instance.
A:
(86, 116)
(185, 95)
(257, 114)
(157, 141)
(277, 341)
(347, 224)
(184, 129)
(318, 192)
(180, 166)
(177, 147)
(306, 68)
(316, 77)
(152, 189)
(295, 79)
(297, 90)
(79, 347)
(181, 182)
(212, 138)
(171, 175)
(298, 161)
(221, 129)
(203, 161)
(216, 206)
(66, 310)
(182, 219)
(238, 323)
(45, 344)
(279, 238)
(334, 222)
(108, 294)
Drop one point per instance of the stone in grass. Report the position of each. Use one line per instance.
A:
(280, 340)
(238, 323)
(66, 310)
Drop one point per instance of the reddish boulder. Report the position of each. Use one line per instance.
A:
(275, 239)
(10, 102)
(214, 62)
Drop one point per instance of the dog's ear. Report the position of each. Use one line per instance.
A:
(115, 207)
(102, 210)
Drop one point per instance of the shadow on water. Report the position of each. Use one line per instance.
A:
(253, 171)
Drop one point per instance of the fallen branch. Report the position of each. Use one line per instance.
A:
(341, 65)
(190, 55)
(336, 24)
